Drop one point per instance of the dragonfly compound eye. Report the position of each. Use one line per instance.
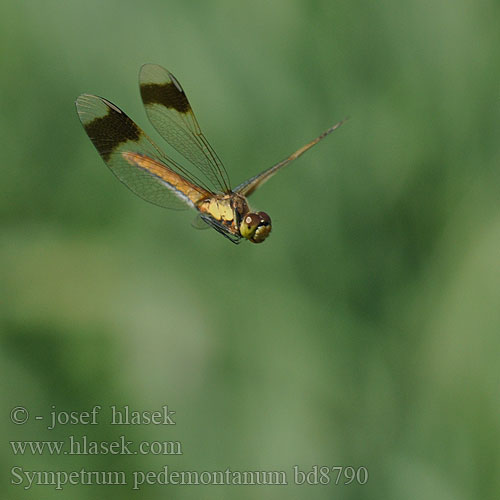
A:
(255, 226)
(263, 228)
(249, 224)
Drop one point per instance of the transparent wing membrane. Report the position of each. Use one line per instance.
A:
(133, 157)
(171, 115)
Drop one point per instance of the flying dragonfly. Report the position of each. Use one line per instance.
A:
(151, 174)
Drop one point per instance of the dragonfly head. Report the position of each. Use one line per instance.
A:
(255, 226)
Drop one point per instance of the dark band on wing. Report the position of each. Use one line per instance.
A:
(108, 132)
(166, 94)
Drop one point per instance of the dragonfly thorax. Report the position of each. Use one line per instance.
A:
(233, 213)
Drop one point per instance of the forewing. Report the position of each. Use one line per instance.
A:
(169, 111)
(133, 158)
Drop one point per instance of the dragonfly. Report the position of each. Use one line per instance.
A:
(152, 175)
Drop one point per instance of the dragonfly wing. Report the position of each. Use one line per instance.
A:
(249, 186)
(133, 157)
(170, 113)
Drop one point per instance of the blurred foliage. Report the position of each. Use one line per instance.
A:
(365, 331)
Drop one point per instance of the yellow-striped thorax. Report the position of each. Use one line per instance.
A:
(233, 212)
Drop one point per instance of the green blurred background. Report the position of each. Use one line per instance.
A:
(364, 332)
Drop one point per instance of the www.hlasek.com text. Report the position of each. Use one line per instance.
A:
(85, 446)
